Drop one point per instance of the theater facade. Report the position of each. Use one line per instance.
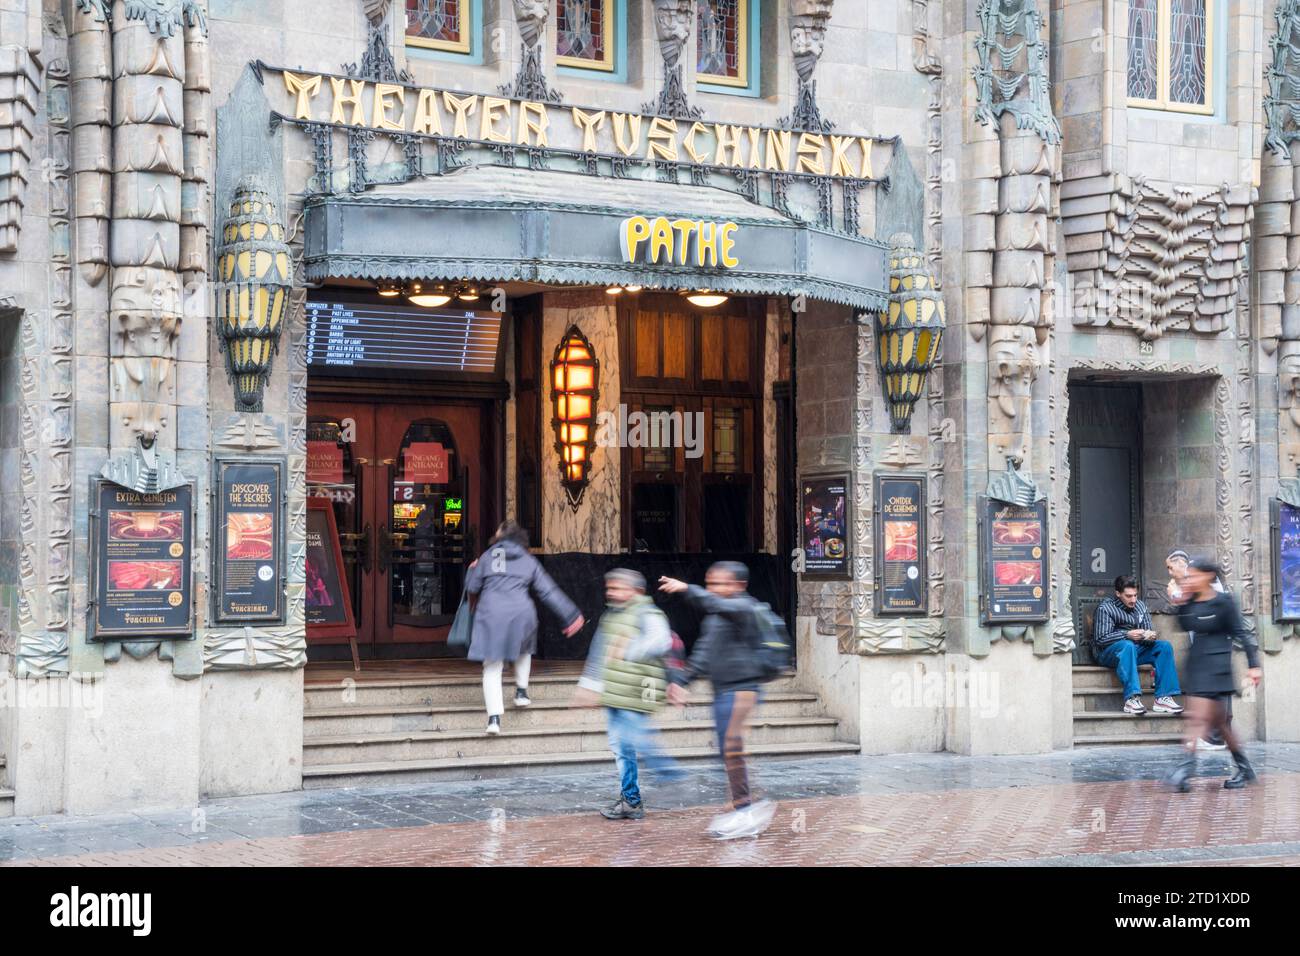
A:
(938, 315)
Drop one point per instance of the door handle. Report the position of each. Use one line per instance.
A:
(385, 546)
(364, 545)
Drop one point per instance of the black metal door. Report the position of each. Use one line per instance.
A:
(1105, 485)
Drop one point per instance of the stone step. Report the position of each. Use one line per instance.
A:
(1112, 740)
(1088, 699)
(446, 691)
(531, 764)
(1111, 723)
(1090, 677)
(435, 745)
(407, 718)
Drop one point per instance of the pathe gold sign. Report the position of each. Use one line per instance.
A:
(660, 240)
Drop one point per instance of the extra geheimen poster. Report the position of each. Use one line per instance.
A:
(328, 604)
(824, 507)
(1286, 561)
(249, 540)
(143, 577)
(900, 535)
(1015, 583)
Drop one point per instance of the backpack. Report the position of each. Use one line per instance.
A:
(773, 651)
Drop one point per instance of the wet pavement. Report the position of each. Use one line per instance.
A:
(1091, 806)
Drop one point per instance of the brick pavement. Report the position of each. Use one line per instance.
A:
(1128, 821)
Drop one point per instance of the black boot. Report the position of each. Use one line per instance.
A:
(1178, 778)
(1245, 775)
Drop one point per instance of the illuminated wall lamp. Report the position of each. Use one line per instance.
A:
(909, 331)
(575, 381)
(705, 299)
(389, 289)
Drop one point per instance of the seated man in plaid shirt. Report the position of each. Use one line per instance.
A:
(1123, 639)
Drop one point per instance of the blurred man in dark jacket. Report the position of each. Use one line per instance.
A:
(727, 653)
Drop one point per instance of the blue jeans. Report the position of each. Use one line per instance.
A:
(1124, 656)
(632, 733)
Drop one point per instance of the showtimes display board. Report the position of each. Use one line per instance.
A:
(347, 337)
(142, 562)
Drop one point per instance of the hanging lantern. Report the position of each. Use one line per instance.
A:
(909, 331)
(575, 381)
(254, 270)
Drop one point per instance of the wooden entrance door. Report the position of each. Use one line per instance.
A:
(409, 510)
(1105, 478)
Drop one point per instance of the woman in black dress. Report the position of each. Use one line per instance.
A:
(1212, 617)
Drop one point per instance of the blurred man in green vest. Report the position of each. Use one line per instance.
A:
(625, 672)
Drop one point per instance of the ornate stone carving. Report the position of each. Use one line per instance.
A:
(673, 22)
(925, 60)
(898, 635)
(20, 82)
(1011, 77)
(808, 20)
(530, 81)
(1282, 99)
(902, 453)
(1154, 257)
(377, 61)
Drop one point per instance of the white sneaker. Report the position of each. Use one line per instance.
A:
(749, 822)
(1166, 705)
(494, 726)
(1134, 706)
(521, 697)
(1203, 744)
(729, 825)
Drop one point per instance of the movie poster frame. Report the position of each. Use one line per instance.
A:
(345, 629)
(878, 539)
(986, 585)
(845, 477)
(218, 540)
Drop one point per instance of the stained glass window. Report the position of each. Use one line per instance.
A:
(1170, 54)
(726, 439)
(722, 41)
(584, 33)
(1143, 50)
(438, 24)
(660, 456)
(1187, 51)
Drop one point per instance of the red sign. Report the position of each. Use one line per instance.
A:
(324, 462)
(426, 463)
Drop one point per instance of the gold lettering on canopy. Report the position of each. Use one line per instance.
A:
(341, 100)
(380, 110)
(304, 88)
(462, 106)
(535, 125)
(533, 120)
(427, 118)
(590, 124)
(494, 108)
(671, 241)
(661, 140)
(627, 146)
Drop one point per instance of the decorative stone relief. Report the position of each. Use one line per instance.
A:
(377, 61)
(673, 22)
(925, 60)
(20, 84)
(1282, 99)
(530, 81)
(45, 415)
(808, 20)
(1011, 77)
(1155, 257)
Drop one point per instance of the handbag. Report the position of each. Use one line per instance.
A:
(462, 626)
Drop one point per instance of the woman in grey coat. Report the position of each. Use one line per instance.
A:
(499, 584)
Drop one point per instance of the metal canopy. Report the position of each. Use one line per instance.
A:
(498, 224)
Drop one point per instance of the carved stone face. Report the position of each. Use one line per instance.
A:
(146, 319)
(1288, 375)
(531, 17)
(673, 22)
(1013, 366)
